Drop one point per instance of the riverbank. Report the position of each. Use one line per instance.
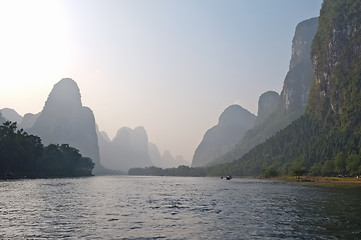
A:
(319, 180)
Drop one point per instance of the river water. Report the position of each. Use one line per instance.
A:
(124, 207)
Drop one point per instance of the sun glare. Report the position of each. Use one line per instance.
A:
(34, 42)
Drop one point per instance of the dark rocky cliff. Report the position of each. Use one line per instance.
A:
(336, 56)
(298, 81)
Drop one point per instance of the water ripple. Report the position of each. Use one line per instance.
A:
(175, 208)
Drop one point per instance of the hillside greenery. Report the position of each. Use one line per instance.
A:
(304, 147)
(326, 140)
(258, 134)
(24, 156)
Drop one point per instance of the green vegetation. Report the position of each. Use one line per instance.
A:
(269, 172)
(182, 170)
(303, 147)
(326, 141)
(23, 155)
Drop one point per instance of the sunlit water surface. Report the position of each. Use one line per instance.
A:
(122, 207)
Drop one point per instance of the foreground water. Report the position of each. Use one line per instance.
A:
(125, 207)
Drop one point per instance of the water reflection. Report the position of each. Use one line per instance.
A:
(176, 208)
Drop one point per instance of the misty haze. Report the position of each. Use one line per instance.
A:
(180, 119)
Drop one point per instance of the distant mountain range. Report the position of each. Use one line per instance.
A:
(276, 112)
(313, 125)
(326, 139)
(223, 137)
(11, 115)
(65, 120)
(130, 148)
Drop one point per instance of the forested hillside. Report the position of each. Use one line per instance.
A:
(327, 139)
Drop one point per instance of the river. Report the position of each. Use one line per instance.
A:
(125, 207)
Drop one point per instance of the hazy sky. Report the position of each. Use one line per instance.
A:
(170, 66)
